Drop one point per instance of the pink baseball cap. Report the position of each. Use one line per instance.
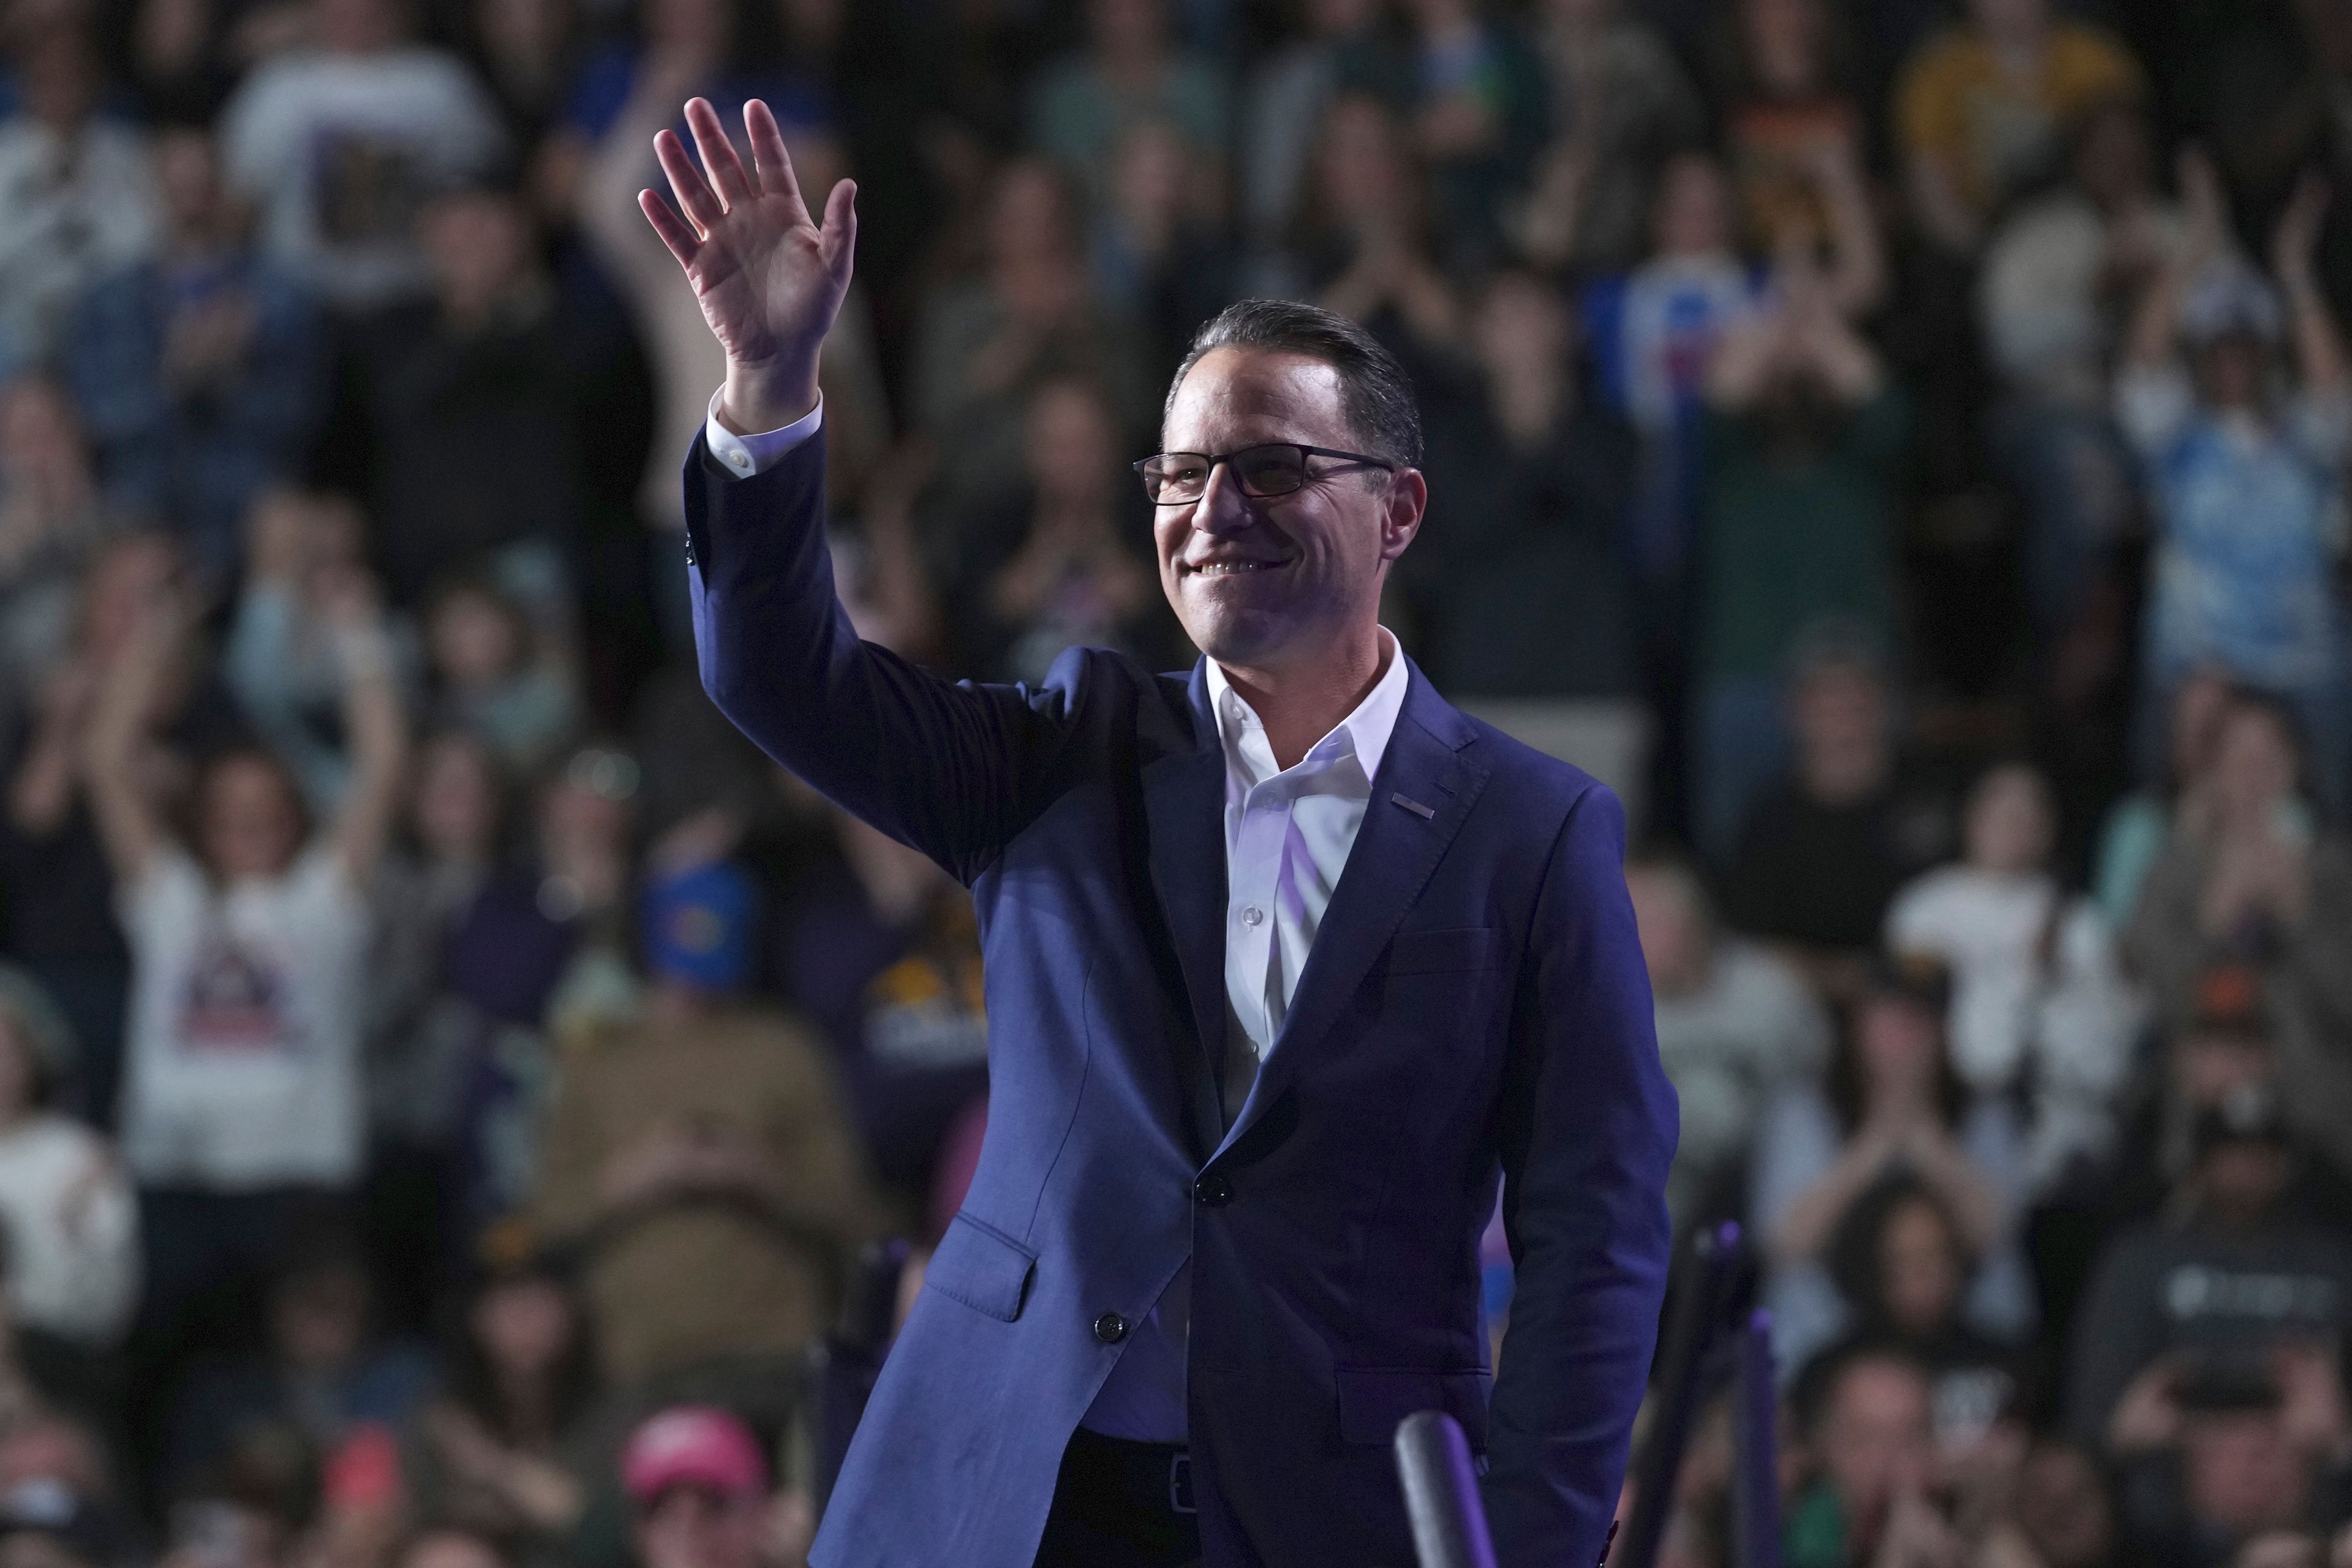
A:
(693, 1446)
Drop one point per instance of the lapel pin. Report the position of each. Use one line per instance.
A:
(1414, 806)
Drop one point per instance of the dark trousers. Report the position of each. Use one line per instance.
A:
(1118, 1504)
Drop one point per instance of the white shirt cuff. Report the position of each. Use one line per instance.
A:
(747, 455)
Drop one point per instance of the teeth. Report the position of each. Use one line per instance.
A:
(1226, 568)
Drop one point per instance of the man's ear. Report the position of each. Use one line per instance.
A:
(1407, 503)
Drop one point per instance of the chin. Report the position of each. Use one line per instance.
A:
(1235, 637)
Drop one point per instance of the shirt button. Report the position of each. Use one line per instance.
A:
(1213, 1189)
(1110, 1328)
(1252, 916)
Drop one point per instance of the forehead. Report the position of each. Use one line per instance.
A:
(1235, 396)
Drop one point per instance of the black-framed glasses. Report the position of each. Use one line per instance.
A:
(1270, 468)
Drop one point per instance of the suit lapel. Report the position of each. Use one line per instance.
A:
(1400, 844)
(1184, 804)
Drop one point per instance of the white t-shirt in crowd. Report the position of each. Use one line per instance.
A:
(244, 1031)
(72, 1228)
(2034, 974)
(343, 152)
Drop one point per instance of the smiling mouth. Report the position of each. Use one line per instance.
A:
(1233, 568)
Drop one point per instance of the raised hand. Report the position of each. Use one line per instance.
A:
(770, 279)
(2298, 233)
(2205, 208)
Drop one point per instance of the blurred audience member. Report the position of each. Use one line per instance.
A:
(1983, 110)
(1802, 423)
(427, 1046)
(242, 1092)
(2245, 878)
(2139, 825)
(250, 1510)
(1735, 1028)
(1058, 564)
(1797, 145)
(1368, 249)
(1472, 91)
(2064, 1514)
(305, 554)
(201, 371)
(67, 1215)
(323, 1374)
(59, 890)
(2041, 1014)
(2243, 480)
(1156, 252)
(1518, 575)
(51, 522)
(1891, 1107)
(493, 675)
(341, 142)
(2216, 1301)
(1129, 71)
(584, 877)
(1824, 850)
(1652, 332)
(701, 1155)
(2052, 300)
(1865, 1420)
(77, 198)
(2207, 1355)
(878, 947)
(446, 400)
(987, 342)
(698, 1483)
(499, 1449)
(179, 59)
(1289, 91)
(1903, 1264)
(1620, 105)
(527, 53)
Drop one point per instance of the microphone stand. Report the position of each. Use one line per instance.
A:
(1715, 1333)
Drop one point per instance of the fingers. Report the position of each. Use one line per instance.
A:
(673, 229)
(719, 160)
(769, 156)
(696, 199)
(838, 240)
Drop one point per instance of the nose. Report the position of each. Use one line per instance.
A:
(1223, 508)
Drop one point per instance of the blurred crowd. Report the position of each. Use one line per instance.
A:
(447, 1078)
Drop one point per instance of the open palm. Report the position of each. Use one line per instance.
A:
(770, 279)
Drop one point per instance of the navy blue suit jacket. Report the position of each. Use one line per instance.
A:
(1474, 997)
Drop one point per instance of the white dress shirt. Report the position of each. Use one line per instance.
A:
(1288, 832)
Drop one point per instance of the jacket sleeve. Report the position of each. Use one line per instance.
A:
(953, 769)
(1588, 1129)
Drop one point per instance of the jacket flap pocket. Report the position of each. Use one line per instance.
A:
(1374, 1400)
(1441, 952)
(983, 1269)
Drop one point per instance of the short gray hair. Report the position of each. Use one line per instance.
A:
(1375, 394)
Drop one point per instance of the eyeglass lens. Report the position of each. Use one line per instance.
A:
(1261, 471)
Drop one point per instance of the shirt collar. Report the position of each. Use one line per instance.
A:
(1366, 731)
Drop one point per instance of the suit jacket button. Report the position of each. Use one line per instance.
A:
(1214, 1190)
(1110, 1328)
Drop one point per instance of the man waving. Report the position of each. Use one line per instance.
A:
(1286, 959)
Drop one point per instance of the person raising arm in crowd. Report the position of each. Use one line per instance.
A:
(242, 1099)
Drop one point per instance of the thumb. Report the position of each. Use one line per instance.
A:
(838, 240)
